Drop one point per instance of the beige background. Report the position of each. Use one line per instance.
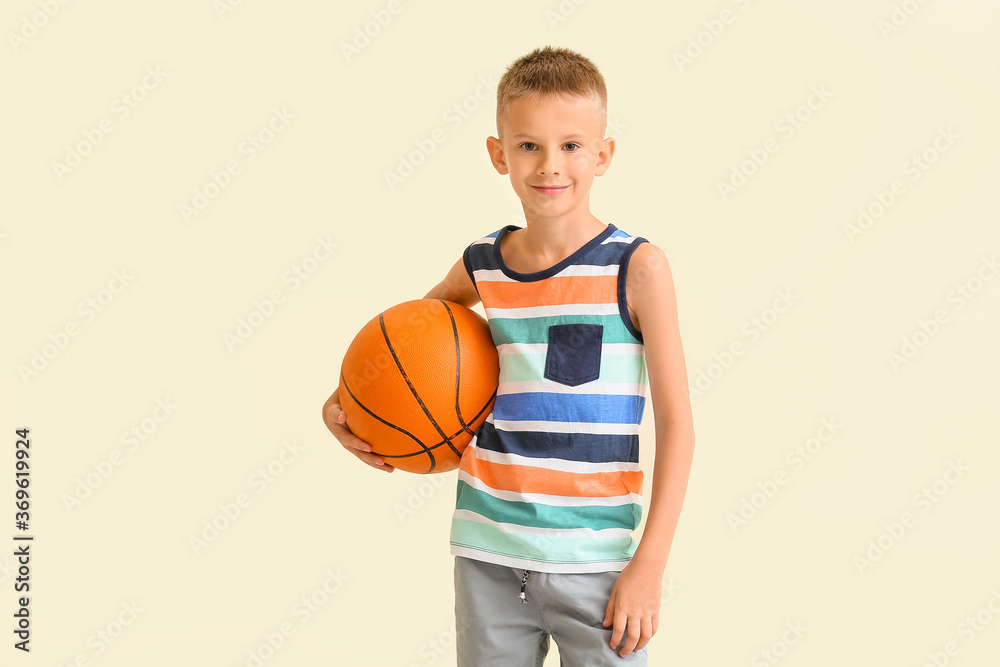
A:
(323, 519)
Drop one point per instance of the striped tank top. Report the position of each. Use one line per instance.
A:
(551, 481)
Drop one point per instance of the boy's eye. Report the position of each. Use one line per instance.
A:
(529, 146)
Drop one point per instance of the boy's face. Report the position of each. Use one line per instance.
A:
(552, 148)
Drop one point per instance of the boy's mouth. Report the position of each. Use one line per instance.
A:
(551, 189)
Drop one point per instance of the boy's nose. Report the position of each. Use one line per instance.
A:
(548, 164)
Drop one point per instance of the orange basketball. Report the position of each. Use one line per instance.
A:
(418, 381)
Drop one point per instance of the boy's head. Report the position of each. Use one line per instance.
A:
(551, 119)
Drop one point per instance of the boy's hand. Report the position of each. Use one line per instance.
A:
(336, 421)
(634, 607)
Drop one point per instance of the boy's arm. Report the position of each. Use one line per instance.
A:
(635, 600)
(457, 287)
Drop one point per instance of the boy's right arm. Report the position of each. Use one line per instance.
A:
(456, 287)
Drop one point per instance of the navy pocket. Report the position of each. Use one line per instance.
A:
(574, 353)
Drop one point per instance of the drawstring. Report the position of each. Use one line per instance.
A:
(524, 580)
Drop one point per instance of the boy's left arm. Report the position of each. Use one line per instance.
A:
(633, 609)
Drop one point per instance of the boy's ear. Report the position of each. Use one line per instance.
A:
(604, 156)
(495, 149)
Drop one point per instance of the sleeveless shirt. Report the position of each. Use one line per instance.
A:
(551, 481)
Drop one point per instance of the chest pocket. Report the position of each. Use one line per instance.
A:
(574, 353)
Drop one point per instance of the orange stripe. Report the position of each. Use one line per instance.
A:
(527, 479)
(550, 291)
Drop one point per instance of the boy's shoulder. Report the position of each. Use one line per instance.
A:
(490, 239)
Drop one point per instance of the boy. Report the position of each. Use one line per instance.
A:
(550, 489)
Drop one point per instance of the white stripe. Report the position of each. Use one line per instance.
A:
(562, 465)
(555, 311)
(516, 529)
(491, 276)
(574, 270)
(546, 499)
(571, 271)
(537, 565)
(488, 240)
(550, 387)
(618, 239)
(567, 427)
(542, 348)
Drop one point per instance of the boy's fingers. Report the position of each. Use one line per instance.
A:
(609, 609)
(374, 460)
(336, 421)
(632, 638)
(619, 630)
(647, 634)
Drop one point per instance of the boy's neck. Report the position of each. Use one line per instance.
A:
(560, 236)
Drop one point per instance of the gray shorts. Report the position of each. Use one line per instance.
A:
(495, 629)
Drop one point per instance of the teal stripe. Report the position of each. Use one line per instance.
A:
(536, 329)
(518, 367)
(538, 515)
(548, 549)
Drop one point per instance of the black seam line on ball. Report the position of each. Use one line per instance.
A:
(425, 448)
(446, 440)
(413, 390)
(458, 375)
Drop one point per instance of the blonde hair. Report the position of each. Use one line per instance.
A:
(552, 71)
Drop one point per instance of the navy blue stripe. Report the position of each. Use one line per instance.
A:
(622, 275)
(582, 447)
(584, 408)
(480, 256)
(467, 260)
